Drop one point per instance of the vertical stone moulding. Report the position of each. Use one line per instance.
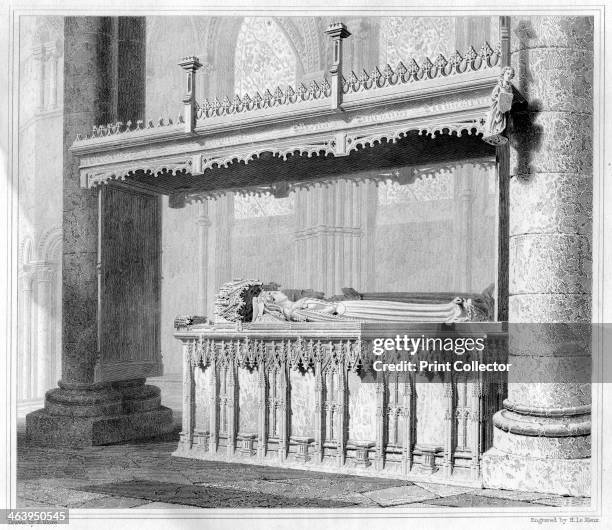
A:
(191, 65)
(338, 32)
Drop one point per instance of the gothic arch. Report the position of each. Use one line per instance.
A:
(223, 34)
(306, 40)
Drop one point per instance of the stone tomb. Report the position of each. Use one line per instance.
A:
(305, 395)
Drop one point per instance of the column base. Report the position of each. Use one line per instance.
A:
(49, 429)
(561, 476)
(82, 415)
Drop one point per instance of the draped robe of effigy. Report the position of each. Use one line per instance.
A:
(276, 306)
(383, 311)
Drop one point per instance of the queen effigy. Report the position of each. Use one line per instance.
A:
(248, 300)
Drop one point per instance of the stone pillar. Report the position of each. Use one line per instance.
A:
(52, 60)
(38, 54)
(44, 361)
(542, 436)
(83, 410)
(26, 351)
(220, 262)
(131, 73)
(330, 241)
(464, 198)
(203, 222)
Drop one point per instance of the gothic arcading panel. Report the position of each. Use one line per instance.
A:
(297, 353)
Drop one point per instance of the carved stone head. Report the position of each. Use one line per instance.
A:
(506, 74)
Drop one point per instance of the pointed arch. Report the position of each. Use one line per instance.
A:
(264, 56)
(302, 33)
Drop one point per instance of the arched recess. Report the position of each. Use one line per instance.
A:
(305, 35)
(26, 252)
(304, 38)
(50, 245)
(264, 57)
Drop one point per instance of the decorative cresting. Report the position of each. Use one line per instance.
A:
(269, 99)
(112, 129)
(379, 77)
(472, 61)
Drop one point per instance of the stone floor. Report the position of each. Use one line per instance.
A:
(144, 475)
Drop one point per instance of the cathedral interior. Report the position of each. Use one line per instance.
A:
(113, 248)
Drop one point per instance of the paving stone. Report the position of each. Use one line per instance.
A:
(422, 505)
(56, 495)
(358, 499)
(165, 506)
(445, 490)
(116, 503)
(509, 494)
(563, 501)
(470, 500)
(309, 488)
(24, 502)
(400, 495)
(210, 497)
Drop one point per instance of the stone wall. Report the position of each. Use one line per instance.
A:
(40, 207)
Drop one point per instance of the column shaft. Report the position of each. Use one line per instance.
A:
(44, 376)
(26, 352)
(542, 437)
(83, 410)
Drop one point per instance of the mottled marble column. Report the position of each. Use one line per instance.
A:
(542, 436)
(84, 411)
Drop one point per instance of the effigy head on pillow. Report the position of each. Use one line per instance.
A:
(234, 301)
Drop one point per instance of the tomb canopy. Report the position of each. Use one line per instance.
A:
(275, 141)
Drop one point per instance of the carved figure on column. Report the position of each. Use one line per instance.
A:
(501, 103)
